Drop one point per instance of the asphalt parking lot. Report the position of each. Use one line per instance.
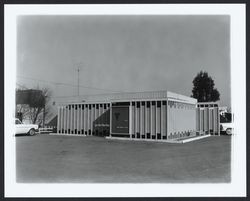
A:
(57, 159)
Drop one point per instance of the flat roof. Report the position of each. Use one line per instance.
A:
(135, 96)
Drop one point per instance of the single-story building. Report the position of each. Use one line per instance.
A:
(143, 115)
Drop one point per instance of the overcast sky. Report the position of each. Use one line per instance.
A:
(122, 53)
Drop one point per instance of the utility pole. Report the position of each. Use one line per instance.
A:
(78, 73)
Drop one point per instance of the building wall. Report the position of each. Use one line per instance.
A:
(148, 119)
(182, 119)
(207, 118)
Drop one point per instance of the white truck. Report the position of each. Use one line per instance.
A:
(29, 129)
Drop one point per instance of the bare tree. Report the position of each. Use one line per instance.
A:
(38, 106)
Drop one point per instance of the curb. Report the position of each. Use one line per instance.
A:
(166, 141)
(73, 135)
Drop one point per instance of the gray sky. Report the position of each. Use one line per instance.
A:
(123, 53)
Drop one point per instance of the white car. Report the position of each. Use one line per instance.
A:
(29, 129)
(227, 127)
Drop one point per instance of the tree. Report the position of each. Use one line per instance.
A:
(203, 88)
(37, 106)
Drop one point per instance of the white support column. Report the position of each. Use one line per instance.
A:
(214, 122)
(151, 119)
(208, 120)
(162, 120)
(84, 118)
(108, 118)
(95, 118)
(130, 119)
(92, 118)
(87, 113)
(78, 119)
(101, 118)
(157, 119)
(146, 119)
(65, 119)
(140, 120)
(110, 128)
(75, 119)
(58, 119)
(167, 120)
(89, 119)
(71, 118)
(61, 119)
(137, 119)
(200, 120)
(154, 108)
(218, 120)
(143, 119)
(105, 118)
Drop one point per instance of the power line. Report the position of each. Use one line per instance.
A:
(67, 84)
(21, 86)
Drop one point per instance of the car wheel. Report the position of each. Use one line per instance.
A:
(32, 132)
(229, 131)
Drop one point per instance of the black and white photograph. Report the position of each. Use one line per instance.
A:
(125, 100)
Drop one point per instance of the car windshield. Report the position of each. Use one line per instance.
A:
(226, 118)
(18, 121)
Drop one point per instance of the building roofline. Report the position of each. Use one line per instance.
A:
(133, 96)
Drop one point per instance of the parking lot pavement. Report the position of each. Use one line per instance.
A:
(52, 158)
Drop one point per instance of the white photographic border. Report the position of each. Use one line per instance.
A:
(237, 187)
